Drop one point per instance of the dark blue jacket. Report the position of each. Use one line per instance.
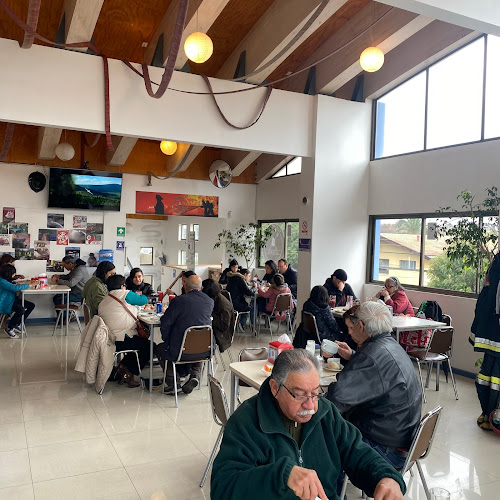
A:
(191, 309)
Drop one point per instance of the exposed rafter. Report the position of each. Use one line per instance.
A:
(268, 165)
(123, 147)
(239, 161)
(48, 139)
(185, 154)
(80, 19)
(286, 17)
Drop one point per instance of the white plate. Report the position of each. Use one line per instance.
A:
(335, 370)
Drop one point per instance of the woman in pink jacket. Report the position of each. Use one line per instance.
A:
(278, 286)
(394, 295)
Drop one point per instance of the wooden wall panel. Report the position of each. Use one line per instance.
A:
(145, 157)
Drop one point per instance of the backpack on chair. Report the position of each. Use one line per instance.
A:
(431, 309)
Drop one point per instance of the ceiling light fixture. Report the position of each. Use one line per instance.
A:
(371, 59)
(198, 47)
(64, 150)
(168, 148)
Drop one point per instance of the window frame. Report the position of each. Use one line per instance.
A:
(275, 221)
(426, 70)
(285, 166)
(423, 217)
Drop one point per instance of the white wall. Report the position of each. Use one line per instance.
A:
(239, 199)
(479, 15)
(278, 198)
(71, 84)
(424, 182)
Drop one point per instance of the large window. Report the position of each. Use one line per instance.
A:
(410, 249)
(283, 243)
(291, 168)
(444, 105)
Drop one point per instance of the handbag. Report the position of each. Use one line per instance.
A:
(141, 331)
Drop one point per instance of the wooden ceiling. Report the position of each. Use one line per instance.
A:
(130, 30)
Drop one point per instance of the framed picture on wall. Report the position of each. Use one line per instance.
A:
(148, 278)
(146, 256)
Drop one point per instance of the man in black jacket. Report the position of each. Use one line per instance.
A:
(336, 285)
(194, 308)
(378, 390)
(290, 275)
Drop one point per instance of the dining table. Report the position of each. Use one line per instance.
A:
(254, 374)
(51, 289)
(402, 323)
(152, 320)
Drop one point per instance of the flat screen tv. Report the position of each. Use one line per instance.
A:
(84, 189)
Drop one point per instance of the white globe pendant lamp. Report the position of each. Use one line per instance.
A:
(198, 47)
(371, 59)
(65, 151)
(168, 147)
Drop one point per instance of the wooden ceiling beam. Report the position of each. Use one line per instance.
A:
(274, 30)
(80, 19)
(186, 153)
(48, 139)
(200, 17)
(268, 165)
(395, 27)
(239, 161)
(123, 147)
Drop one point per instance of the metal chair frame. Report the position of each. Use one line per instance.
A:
(263, 354)
(220, 414)
(203, 359)
(439, 349)
(287, 311)
(73, 311)
(308, 320)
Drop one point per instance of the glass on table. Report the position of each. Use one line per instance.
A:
(332, 300)
(439, 494)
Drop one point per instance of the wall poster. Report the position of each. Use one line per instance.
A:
(151, 202)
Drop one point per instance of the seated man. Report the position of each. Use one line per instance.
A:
(290, 275)
(336, 285)
(75, 279)
(378, 390)
(194, 308)
(184, 276)
(288, 442)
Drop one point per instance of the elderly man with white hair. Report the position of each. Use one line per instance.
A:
(288, 442)
(378, 390)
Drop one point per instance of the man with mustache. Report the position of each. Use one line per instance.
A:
(288, 442)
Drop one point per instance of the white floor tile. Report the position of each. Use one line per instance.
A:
(151, 446)
(12, 437)
(14, 468)
(24, 492)
(11, 413)
(69, 459)
(106, 485)
(45, 408)
(62, 429)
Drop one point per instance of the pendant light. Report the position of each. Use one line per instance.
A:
(371, 59)
(64, 150)
(168, 147)
(198, 46)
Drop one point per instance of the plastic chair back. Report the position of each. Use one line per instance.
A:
(310, 326)
(252, 354)
(86, 313)
(197, 344)
(441, 341)
(283, 302)
(218, 400)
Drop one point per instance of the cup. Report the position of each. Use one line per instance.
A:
(171, 297)
(311, 346)
(348, 302)
(332, 300)
(329, 348)
(160, 296)
(439, 494)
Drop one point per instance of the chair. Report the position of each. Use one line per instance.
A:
(310, 326)
(438, 350)
(227, 294)
(250, 354)
(118, 356)
(74, 309)
(220, 413)
(419, 449)
(283, 303)
(197, 346)
(86, 313)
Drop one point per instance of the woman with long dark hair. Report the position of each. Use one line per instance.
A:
(222, 314)
(95, 288)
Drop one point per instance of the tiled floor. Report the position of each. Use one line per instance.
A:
(59, 439)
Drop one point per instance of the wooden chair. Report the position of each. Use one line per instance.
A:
(220, 413)
(197, 346)
(438, 350)
(283, 303)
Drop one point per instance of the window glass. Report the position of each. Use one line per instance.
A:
(275, 247)
(400, 119)
(183, 228)
(294, 166)
(455, 97)
(492, 108)
(196, 229)
(280, 173)
(397, 247)
(292, 243)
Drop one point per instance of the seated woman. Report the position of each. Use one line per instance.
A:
(95, 289)
(318, 305)
(394, 295)
(135, 283)
(9, 302)
(270, 293)
(8, 259)
(233, 268)
(222, 314)
(271, 269)
(238, 287)
(124, 328)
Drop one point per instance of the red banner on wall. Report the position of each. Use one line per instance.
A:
(150, 202)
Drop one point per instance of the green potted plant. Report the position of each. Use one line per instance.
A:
(244, 241)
